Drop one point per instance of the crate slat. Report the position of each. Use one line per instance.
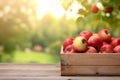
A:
(90, 59)
(90, 70)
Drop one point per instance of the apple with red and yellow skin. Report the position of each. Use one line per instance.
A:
(86, 34)
(94, 9)
(67, 42)
(105, 35)
(106, 48)
(117, 49)
(95, 41)
(80, 44)
(115, 42)
(91, 49)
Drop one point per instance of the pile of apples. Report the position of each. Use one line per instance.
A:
(88, 42)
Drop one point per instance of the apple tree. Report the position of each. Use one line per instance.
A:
(95, 15)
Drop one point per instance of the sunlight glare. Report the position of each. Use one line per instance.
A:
(50, 6)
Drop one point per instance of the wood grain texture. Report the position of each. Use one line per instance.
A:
(90, 59)
(90, 64)
(12, 71)
(90, 70)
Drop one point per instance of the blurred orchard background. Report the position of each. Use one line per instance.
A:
(32, 31)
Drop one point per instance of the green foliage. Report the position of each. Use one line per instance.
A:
(95, 22)
(17, 18)
(55, 47)
(51, 32)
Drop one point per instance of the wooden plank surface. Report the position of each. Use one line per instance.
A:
(90, 70)
(41, 72)
(90, 59)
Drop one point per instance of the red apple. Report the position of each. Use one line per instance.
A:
(115, 42)
(106, 48)
(67, 42)
(94, 9)
(108, 9)
(105, 43)
(95, 41)
(117, 49)
(91, 50)
(112, 39)
(86, 34)
(69, 49)
(119, 7)
(105, 35)
(80, 44)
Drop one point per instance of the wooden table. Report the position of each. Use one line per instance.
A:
(11, 71)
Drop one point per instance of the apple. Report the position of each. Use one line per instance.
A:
(112, 39)
(106, 48)
(70, 49)
(105, 43)
(119, 7)
(117, 49)
(94, 9)
(67, 42)
(86, 34)
(91, 50)
(105, 35)
(108, 9)
(115, 42)
(80, 44)
(95, 41)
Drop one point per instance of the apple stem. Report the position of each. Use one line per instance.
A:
(84, 41)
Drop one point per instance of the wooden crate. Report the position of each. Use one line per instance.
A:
(90, 64)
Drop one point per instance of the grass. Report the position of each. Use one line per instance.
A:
(34, 57)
